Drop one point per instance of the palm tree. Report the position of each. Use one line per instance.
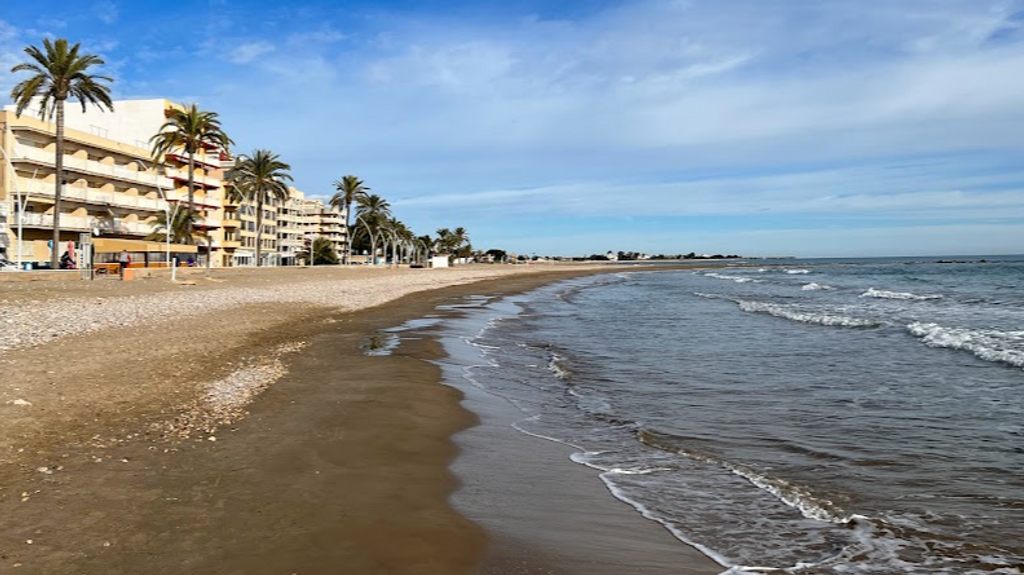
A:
(260, 178)
(191, 130)
(374, 210)
(57, 74)
(180, 229)
(404, 235)
(323, 252)
(445, 240)
(428, 245)
(350, 189)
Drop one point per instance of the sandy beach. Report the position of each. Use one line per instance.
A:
(237, 426)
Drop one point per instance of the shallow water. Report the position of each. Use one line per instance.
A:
(847, 418)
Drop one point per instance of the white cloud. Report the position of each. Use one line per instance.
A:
(107, 11)
(249, 51)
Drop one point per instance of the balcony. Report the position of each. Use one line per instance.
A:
(99, 197)
(231, 223)
(200, 201)
(181, 176)
(200, 160)
(87, 224)
(208, 223)
(91, 168)
(231, 244)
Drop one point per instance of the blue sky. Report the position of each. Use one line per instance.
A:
(803, 127)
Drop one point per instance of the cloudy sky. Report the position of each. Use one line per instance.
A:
(804, 127)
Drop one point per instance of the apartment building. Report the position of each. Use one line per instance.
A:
(112, 190)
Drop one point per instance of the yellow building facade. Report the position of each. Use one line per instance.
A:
(112, 189)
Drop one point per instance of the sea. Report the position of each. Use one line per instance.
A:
(796, 416)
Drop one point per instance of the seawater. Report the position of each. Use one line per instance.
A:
(856, 417)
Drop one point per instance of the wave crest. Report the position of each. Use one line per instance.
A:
(885, 294)
(796, 314)
(988, 344)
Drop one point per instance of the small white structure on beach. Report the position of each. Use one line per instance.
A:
(439, 261)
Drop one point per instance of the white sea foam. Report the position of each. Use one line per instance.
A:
(673, 529)
(711, 295)
(558, 365)
(794, 313)
(988, 344)
(797, 272)
(737, 279)
(885, 294)
(816, 286)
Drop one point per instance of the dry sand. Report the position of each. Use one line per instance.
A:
(123, 448)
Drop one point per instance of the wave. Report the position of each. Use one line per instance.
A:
(816, 286)
(794, 313)
(988, 344)
(792, 494)
(884, 294)
(559, 365)
(797, 272)
(737, 279)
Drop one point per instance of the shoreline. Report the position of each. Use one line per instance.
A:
(123, 503)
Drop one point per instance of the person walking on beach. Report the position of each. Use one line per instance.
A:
(125, 260)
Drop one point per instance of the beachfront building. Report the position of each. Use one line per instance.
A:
(324, 220)
(288, 226)
(113, 190)
(248, 235)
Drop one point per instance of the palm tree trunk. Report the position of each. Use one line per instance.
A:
(259, 229)
(58, 183)
(191, 192)
(348, 233)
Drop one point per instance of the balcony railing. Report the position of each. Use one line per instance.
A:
(94, 167)
(69, 222)
(182, 174)
(94, 196)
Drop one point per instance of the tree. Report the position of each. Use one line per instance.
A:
(59, 73)
(322, 252)
(374, 210)
(350, 189)
(190, 130)
(498, 255)
(260, 178)
(182, 228)
(445, 240)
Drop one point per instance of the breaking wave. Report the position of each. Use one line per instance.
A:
(816, 286)
(884, 294)
(988, 344)
(794, 313)
(737, 279)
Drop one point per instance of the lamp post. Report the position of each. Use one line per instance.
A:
(17, 201)
(168, 217)
(373, 241)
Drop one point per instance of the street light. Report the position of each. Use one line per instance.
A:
(169, 217)
(18, 202)
(373, 241)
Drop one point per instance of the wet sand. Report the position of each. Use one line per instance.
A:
(340, 467)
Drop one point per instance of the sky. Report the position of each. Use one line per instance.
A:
(811, 128)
